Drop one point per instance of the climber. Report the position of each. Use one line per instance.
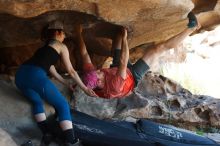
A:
(119, 80)
(31, 78)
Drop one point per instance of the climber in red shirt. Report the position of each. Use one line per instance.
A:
(122, 77)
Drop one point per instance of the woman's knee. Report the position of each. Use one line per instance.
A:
(38, 107)
(35, 100)
(63, 110)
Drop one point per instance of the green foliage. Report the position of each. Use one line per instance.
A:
(207, 129)
(199, 132)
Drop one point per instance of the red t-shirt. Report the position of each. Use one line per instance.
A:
(115, 85)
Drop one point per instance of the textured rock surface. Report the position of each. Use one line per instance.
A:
(158, 98)
(22, 20)
(5, 139)
(148, 21)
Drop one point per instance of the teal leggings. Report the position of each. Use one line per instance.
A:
(36, 86)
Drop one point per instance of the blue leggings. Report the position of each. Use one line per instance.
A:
(35, 85)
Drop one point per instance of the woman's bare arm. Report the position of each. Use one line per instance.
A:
(57, 76)
(66, 60)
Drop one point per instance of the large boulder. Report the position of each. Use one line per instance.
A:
(5, 139)
(157, 98)
(145, 20)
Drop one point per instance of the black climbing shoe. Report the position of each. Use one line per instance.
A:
(28, 143)
(192, 20)
(46, 139)
(77, 143)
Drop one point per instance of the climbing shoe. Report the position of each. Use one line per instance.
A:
(192, 20)
(77, 143)
(46, 139)
(28, 143)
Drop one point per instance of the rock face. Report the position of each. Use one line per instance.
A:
(145, 20)
(158, 98)
(5, 139)
(16, 116)
(148, 22)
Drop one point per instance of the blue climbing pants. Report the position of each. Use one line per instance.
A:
(36, 86)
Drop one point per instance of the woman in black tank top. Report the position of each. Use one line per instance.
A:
(31, 78)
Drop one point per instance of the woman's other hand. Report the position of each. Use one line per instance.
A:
(90, 92)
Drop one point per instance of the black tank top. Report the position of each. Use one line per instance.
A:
(44, 57)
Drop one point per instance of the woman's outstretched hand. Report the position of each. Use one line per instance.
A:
(90, 92)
